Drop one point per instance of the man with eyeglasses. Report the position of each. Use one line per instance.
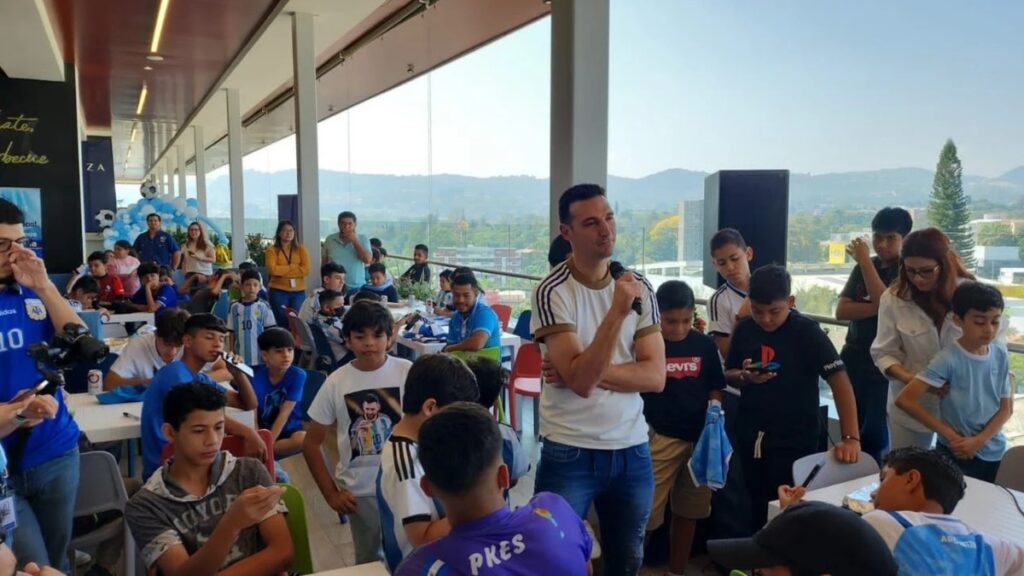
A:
(43, 447)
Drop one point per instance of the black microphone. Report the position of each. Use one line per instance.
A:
(617, 269)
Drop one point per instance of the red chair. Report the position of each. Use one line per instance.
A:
(233, 444)
(504, 315)
(525, 381)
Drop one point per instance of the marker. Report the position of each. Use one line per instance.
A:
(132, 416)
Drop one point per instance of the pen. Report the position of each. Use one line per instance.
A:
(132, 416)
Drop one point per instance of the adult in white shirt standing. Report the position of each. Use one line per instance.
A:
(604, 355)
(914, 322)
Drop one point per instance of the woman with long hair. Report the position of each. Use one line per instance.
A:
(199, 252)
(288, 266)
(914, 322)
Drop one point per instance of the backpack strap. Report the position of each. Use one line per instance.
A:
(901, 519)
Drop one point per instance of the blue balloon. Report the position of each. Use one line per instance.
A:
(193, 202)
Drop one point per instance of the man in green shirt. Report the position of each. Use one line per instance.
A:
(349, 249)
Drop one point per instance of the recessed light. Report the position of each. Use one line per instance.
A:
(147, 67)
(155, 58)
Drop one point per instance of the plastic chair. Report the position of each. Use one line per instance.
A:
(302, 560)
(325, 358)
(314, 381)
(303, 341)
(1011, 471)
(833, 472)
(522, 328)
(504, 315)
(101, 489)
(492, 353)
(525, 381)
(234, 445)
(222, 306)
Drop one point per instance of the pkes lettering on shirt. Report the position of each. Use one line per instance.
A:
(495, 554)
(684, 367)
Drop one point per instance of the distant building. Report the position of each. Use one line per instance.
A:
(500, 259)
(691, 231)
(992, 260)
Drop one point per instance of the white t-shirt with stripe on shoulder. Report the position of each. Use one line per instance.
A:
(565, 302)
(400, 499)
(723, 306)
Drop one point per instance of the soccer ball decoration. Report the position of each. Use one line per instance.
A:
(105, 218)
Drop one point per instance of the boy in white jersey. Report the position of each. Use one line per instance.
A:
(248, 318)
(604, 354)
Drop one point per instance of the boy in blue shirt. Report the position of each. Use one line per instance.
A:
(977, 371)
(278, 386)
(153, 295)
(379, 283)
(693, 381)
(460, 449)
(248, 318)
(474, 326)
(490, 377)
(202, 343)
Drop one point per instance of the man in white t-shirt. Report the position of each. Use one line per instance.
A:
(604, 354)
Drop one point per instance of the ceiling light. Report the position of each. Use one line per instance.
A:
(147, 67)
(135, 129)
(161, 17)
(142, 100)
(155, 58)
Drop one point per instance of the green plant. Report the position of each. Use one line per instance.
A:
(419, 290)
(256, 245)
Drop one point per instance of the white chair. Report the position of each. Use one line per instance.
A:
(1011, 470)
(100, 489)
(834, 471)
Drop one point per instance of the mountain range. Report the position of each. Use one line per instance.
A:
(390, 197)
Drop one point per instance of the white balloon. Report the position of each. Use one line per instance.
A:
(191, 213)
(109, 232)
(147, 210)
(179, 203)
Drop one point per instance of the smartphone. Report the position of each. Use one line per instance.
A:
(412, 320)
(40, 388)
(763, 368)
(814, 472)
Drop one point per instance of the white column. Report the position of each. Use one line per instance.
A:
(182, 189)
(307, 159)
(170, 175)
(579, 97)
(200, 169)
(238, 250)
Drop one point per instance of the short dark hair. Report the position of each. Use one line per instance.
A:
(559, 251)
(247, 266)
(147, 268)
(464, 278)
(577, 193)
(154, 215)
(329, 268)
(490, 377)
(97, 255)
(370, 398)
(250, 275)
(444, 378)
(769, 284)
(941, 479)
(170, 325)
(10, 213)
(445, 274)
(973, 295)
(891, 219)
(458, 445)
(326, 295)
(347, 214)
(727, 236)
(87, 284)
(275, 337)
(367, 315)
(166, 271)
(375, 242)
(674, 295)
(123, 244)
(376, 268)
(421, 247)
(187, 398)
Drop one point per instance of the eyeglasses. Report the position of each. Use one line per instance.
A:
(6, 243)
(926, 272)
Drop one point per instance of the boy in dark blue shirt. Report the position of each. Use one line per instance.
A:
(278, 386)
(693, 380)
(776, 357)
(153, 296)
(379, 283)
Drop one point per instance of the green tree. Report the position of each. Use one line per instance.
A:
(816, 300)
(996, 235)
(948, 209)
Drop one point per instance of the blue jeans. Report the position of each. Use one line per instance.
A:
(44, 501)
(975, 467)
(291, 299)
(620, 484)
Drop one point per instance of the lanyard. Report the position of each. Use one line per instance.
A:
(288, 256)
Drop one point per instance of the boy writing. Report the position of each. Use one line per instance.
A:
(379, 283)
(460, 449)
(419, 271)
(362, 398)
(278, 387)
(153, 296)
(248, 318)
(490, 377)
(979, 402)
(776, 357)
(84, 293)
(858, 303)
(409, 516)
(205, 511)
(693, 381)
(332, 277)
(443, 306)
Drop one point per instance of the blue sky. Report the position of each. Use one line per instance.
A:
(813, 86)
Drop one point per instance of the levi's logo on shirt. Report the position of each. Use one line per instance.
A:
(684, 367)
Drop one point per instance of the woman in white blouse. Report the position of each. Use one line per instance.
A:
(914, 322)
(199, 251)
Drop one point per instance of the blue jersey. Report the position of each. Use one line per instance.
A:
(270, 397)
(24, 321)
(153, 440)
(159, 249)
(480, 318)
(165, 297)
(248, 320)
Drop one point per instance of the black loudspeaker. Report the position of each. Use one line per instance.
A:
(755, 202)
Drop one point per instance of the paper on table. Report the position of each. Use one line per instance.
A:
(860, 499)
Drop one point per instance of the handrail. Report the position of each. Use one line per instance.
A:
(1015, 347)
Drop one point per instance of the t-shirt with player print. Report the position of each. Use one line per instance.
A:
(784, 408)
(400, 498)
(543, 537)
(692, 369)
(163, 514)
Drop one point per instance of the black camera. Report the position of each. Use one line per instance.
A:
(72, 346)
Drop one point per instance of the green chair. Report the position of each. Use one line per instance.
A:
(494, 354)
(302, 562)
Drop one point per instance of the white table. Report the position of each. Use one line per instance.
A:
(370, 569)
(146, 317)
(417, 348)
(985, 507)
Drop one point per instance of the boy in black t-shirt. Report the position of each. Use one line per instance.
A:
(858, 303)
(776, 357)
(693, 380)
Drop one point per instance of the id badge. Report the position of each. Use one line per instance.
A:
(292, 282)
(8, 519)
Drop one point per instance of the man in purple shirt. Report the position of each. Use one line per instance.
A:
(460, 450)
